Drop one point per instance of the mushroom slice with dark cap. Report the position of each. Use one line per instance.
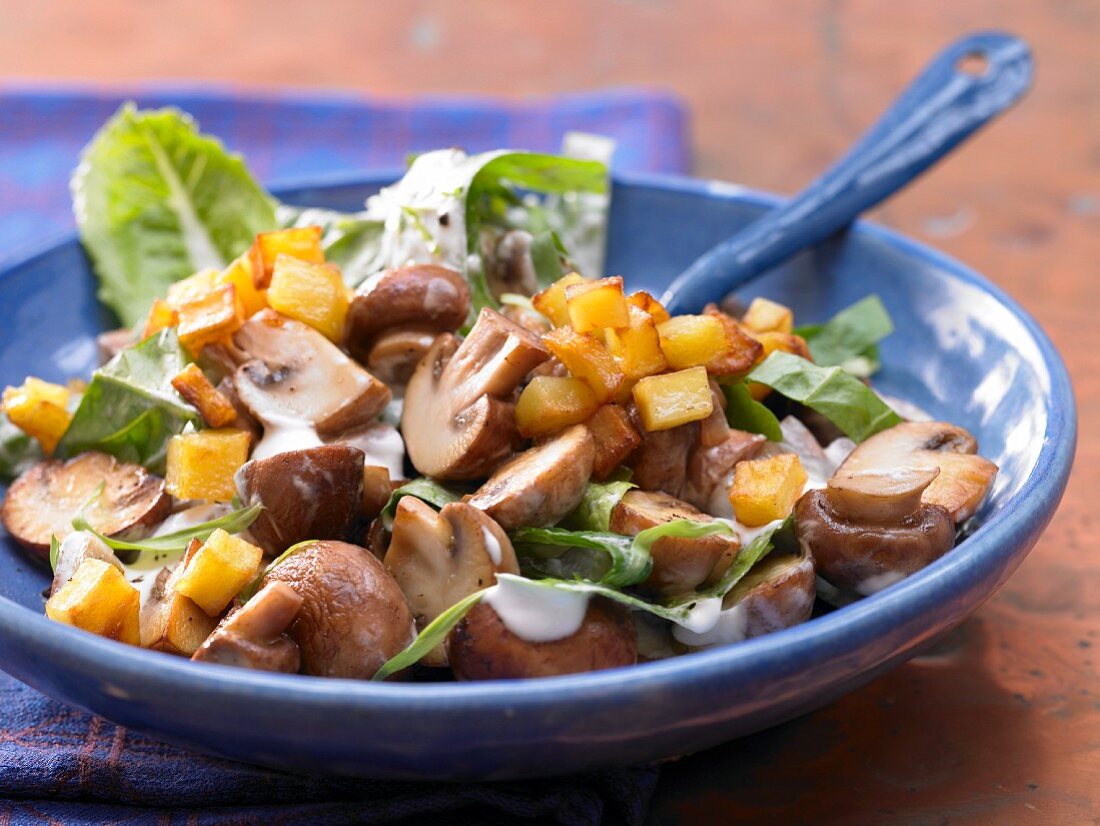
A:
(253, 635)
(541, 485)
(396, 352)
(459, 418)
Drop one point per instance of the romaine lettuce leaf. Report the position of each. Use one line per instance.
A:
(155, 201)
(743, 412)
(850, 337)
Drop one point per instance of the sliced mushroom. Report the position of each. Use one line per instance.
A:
(74, 549)
(171, 622)
(482, 647)
(509, 265)
(394, 355)
(441, 558)
(459, 417)
(42, 502)
(253, 635)
(680, 563)
(660, 462)
(710, 470)
(964, 478)
(245, 420)
(315, 493)
(800, 440)
(433, 298)
(542, 484)
(353, 616)
(714, 429)
(528, 319)
(615, 438)
(295, 373)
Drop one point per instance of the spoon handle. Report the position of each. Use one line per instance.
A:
(965, 86)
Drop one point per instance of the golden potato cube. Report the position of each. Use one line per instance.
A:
(201, 465)
(100, 600)
(673, 399)
(784, 342)
(193, 287)
(744, 352)
(615, 438)
(551, 301)
(764, 490)
(311, 293)
(692, 340)
(161, 315)
(764, 316)
(222, 566)
(303, 243)
(597, 304)
(210, 317)
(644, 301)
(39, 409)
(549, 403)
(173, 623)
(637, 348)
(239, 274)
(587, 359)
(191, 383)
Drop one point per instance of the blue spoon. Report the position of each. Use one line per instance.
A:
(964, 87)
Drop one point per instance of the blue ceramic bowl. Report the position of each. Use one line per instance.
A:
(964, 351)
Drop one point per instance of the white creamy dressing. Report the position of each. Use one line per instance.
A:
(536, 613)
(879, 582)
(283, 434)
(729, 625)
(492, 545)
(381, 444)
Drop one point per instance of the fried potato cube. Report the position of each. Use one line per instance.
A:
(171, 622)
(550, 403)
(551, 301)
(303, 243)
(191, 383)
(161, 315)
(597, 304)
(764, 490)
(745, 350)
(192, 288)
(770, 342)
(764, 316)
(637, 347)
(239, 274)
(210, 317)
(100, 600)
(218, 571)
(311, 293)
(644, 301)
(615, 438)
(201, 465)
(673, 399)
(587, 359)
(692, 340)
(39, 409)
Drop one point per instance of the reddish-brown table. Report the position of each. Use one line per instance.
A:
(1001, 724)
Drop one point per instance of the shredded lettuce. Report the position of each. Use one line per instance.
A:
(424, 489)
(849, 339)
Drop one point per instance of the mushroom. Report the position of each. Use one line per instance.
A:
(441, 558)
(541, 485)
(714, 429)
(252, 636)
(435, 299)
(316, 493)
(509, 266)
(295, 373)
(396, 352)
(74, 549)
(459, 417)
(528, 319)
(710, 470)
(170, 622)
(42, 502)
(482, 647)
(660, 462)
(353, 616)
(680, 563)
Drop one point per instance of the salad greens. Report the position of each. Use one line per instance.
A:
(594, 511)
(424, 489)
(232, 522)
(746, 413)
(130, 408)
(352, 241)
(156, 201)
(836, 394)
(432, 635)
(18, 451)
(850, 338)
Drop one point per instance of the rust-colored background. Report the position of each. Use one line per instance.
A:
(1002, 723)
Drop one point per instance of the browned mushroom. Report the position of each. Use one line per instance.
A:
(315, 493)
(615, 438)
(295, 373)
(353, 616)
(710, 470)
(441, 558)
(74, 549)
(660, 462)
(395, 353)
(509, 265)
(42, 502)
(253, 635)
(171, 622)
(459, 417)
(680, 563)
(542, 484)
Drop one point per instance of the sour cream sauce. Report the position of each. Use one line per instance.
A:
(536, 613)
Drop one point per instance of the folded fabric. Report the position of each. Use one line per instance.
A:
(62, 765)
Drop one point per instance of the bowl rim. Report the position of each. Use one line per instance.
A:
(845, 629)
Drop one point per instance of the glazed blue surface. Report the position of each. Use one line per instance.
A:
(964, 351)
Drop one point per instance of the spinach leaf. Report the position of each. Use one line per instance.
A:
(594, 511)
(433, 634)
(352, 241)
(155, 201)
(746, 558)
(55, 552)
(850, 337)
(232, 522)
(130, 408)
(424, 489)
(839, 396)
(746, 413)
(18, 451)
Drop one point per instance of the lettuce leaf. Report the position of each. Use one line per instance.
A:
(743, 412)
(130, 408)
(351, 240)
(18, 451)
(850, 337)
(432, 635)
(424, 489)
(155, 201)
(594, 511)
(838, 395)
(232, 522)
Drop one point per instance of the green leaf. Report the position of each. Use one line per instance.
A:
(546, 258)
(424, 489)
(352, 241)
(850, 337)
(839, 396)
(55, 552)
(233, 522)
(433, 634)
(746, 413)
(18, 451)
(130, 408)
(250, 590)
(594, 511)
(746, 558)
(155, 201)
